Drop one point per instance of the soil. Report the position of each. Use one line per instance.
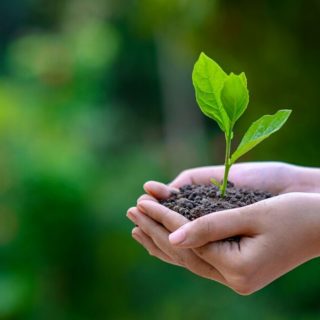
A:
(194, 201)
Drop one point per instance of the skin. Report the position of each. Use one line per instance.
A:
(277, 234)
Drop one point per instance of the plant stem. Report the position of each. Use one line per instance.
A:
(227, 165)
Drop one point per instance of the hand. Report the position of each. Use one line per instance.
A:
(275, 177)
(269, 176)
(277, 235)
(154, 236)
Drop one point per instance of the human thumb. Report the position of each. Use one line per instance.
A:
(212, 227)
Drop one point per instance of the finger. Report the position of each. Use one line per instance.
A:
(226, 255)
(159, 190)
(213, 227)
(146, 197)
(150, 246)
(183, 257)
(155, 231)
(171, 220)
(198, 176)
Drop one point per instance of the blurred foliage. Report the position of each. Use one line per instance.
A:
(82, 126)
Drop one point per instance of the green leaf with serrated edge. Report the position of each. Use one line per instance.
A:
(208, 79)
(234, 97)
(215, 182)
(260, 130)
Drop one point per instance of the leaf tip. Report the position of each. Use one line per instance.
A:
(203, 55)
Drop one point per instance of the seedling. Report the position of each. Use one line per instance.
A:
(224, 98)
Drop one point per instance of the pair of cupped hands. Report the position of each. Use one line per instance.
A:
(276, 234)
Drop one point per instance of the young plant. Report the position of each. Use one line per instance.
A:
(224, 98)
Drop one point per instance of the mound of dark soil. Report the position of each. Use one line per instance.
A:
(194, 201)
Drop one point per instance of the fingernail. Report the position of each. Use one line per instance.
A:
(131, 215)
(141, 207)
(177, 237)
(135, 235)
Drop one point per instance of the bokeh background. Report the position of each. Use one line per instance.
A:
(95, 99)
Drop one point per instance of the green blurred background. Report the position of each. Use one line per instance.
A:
(95, 99)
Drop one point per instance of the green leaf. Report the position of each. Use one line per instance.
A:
(235, 96)
(243, 77)
(215, 182)
(208, 79)
(260, 130)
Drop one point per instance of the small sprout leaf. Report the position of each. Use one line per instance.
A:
(235, 96)
(243, 77)
(208, 80)
(215, 182)
(260, 130)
